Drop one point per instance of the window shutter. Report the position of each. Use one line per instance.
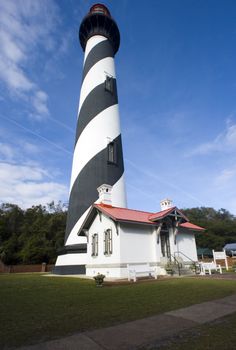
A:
(96, 244)
(112, 153)
(110, 241)
(92, 245)
(104, 242)
(109, 82)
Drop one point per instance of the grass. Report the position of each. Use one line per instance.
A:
(35, 308)
(219, 335)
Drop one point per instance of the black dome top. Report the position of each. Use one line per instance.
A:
(99, 22)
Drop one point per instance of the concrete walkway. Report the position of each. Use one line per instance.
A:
(147, 331)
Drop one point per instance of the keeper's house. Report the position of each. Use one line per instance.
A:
(117, 237)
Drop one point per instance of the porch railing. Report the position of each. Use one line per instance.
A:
(179, 265)
(196, 266)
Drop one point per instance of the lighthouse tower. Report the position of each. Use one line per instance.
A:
(98, 156)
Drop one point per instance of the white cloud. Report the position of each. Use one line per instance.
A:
(39, 101)
(25, 25)
(18, 172)
(224, 142)
(6, 151)
(19, 151)
(24, 181)
(231, 136)
(27, 185)
(13, 76)
(30, 148)
(10, 49)
(225, 178)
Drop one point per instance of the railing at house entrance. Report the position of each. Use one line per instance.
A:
(178, 264)
(196, 265)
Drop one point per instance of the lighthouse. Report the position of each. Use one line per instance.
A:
(102, 235)
(98, 155)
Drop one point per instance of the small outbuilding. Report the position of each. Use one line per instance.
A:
(117, 237)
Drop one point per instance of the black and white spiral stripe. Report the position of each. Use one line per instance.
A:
(98, 124)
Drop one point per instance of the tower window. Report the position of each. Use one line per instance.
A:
(109, 82)
(108, 242)
(111, 150)
(95, 244)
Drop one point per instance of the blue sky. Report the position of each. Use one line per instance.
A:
(176, 85)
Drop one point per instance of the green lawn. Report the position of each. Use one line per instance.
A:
(35, 308)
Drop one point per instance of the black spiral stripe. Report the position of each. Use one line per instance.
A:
(95, 173)
(97, 101)
(98, 52)
(97, 170)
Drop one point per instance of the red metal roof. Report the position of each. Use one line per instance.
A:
(124, 214)
(161, 214)
(192, 226)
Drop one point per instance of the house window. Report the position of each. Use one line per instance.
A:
(111, 152)
(108, 242)
(109, 84)
(95, 244)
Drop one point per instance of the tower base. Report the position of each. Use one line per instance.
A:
(71, 263)
(69, 270)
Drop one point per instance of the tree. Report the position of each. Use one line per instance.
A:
(33, 235)
(220, 227)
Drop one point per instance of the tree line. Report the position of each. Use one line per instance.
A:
(220, 227)
(33, 235)
(36, 234)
